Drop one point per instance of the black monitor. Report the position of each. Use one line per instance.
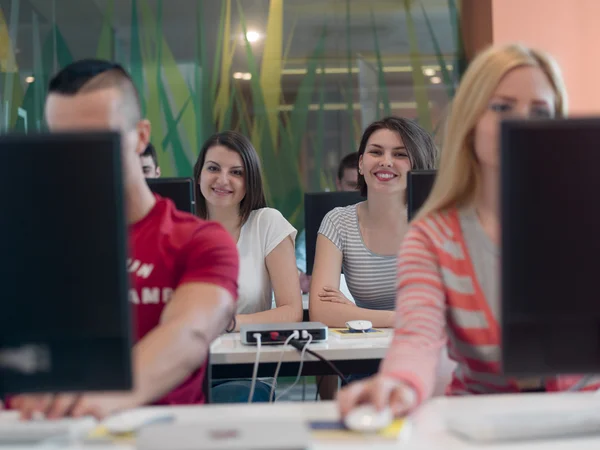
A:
(418, 187)
(179, 190)
(550, 246)
(316, 206)
(65, 323)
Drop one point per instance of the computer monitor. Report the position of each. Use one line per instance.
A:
(65, 320)
(550, 246)
(316, 206)
(418, 187)
(179, 190)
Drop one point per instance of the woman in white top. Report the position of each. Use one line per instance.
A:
(229, 190)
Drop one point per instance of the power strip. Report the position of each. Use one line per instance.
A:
(277, 333)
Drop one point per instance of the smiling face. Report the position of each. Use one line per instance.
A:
(222, 179)
(385, 163)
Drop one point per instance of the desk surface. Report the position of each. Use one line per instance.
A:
(228, 349)
(425, 430)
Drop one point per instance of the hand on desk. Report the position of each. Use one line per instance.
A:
(72, 405)
(329, 294)
(380, 391)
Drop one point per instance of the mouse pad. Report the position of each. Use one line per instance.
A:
(347, 333)
(335, 430)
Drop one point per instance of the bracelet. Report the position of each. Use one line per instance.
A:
(232, 326)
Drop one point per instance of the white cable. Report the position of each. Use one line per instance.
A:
(294, 335)
(258, 337)
(310, 338)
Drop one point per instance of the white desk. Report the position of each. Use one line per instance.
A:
(239, 412)
(425, 430)
(230, 359)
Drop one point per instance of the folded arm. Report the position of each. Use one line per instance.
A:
(327, 270)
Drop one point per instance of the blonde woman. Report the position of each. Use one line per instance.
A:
(448, 264)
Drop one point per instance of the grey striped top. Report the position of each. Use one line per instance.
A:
(371, 278)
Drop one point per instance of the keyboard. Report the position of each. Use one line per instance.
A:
(519, 426)
(16, 432)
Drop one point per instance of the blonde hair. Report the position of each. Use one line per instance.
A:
(457, 178)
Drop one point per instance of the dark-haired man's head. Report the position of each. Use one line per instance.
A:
(149, 161)
(96, 95)
(347, 176)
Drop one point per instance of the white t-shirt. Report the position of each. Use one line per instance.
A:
(264, 230)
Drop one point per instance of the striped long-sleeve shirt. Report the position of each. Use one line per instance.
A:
(448, 295)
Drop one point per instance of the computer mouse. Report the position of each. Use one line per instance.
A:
(359, 325)
(367, 419)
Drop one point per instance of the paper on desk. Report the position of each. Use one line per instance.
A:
(335, 430)
(123, 427)
(100, 434)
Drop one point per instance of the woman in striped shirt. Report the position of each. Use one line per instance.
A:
(448, 291)
(363, 239)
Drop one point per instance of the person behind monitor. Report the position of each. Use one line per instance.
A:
(183, 269)
(149, 161)
(346, 181)
(448, 292)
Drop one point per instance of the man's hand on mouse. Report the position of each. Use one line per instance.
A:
(329, 294)
(72, 405)
(381, 391)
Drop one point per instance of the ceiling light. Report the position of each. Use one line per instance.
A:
(252, 36)
(247, 76)
(436, 80)
(429, 71)
(238, 75)
(30, 79)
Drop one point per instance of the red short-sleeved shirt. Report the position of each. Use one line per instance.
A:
(167, 249)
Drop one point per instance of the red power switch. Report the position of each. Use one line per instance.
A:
(274, 335)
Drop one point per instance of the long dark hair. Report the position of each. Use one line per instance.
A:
(255, 196)
(420, 147)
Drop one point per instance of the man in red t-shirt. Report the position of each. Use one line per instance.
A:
(183, 270)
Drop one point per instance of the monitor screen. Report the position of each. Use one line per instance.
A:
(418, 186)
(65, 322)
(179, 190)
(550, 246)
(316, 206)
